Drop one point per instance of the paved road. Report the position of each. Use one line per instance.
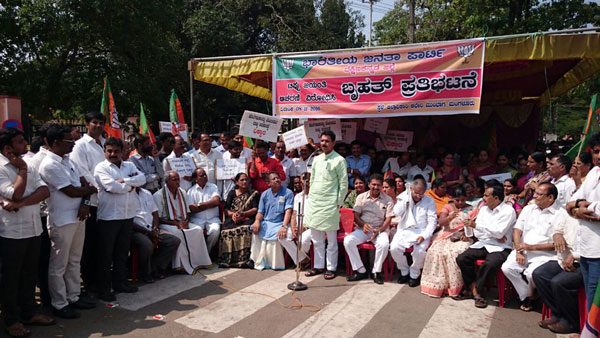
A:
(228, 304)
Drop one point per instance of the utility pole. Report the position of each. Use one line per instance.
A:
(371, 2)
(411, 23)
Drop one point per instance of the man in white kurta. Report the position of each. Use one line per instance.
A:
(174, 217)
(206, 157)
(372, 214)
(418, 219)
(203, 198)
(532, 235)
(559, 167)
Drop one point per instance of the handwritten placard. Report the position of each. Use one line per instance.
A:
(348, 131)
(316, 127)
(167, 127)
(397, 140)
(183, 165)
(228, 168)
(378, 126)
(295, 138)
(260, 126)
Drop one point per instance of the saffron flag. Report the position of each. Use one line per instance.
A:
(388, 171)
(144, 128)
(248, 142)
(590, 128)
(592, 324)
(108, 108)
(176, 114)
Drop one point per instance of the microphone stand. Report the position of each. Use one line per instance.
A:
(297, 285)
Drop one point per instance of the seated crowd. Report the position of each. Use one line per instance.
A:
(76, 209)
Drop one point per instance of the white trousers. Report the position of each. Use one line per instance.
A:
(306, 241)
(397, 248)
(290, 246)
(213, 230)
(357, 237)
(194, 239)
(64, 267)
(318, 240)
(513, 270)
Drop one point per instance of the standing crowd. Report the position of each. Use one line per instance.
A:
(75, 211)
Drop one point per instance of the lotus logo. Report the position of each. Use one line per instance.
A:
(465, 51)
(287, 63)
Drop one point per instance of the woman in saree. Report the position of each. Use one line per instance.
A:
(360, 186)
(400, 184)
(441, 275)
(450, 172)
(537, 174)
(236, 233)
(483, 166)
(511, 196)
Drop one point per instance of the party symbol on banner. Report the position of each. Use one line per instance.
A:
(287, 63)
(465, 51)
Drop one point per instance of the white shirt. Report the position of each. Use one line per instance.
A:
(537, 226)
(162, 208)
(26, 222)
(59, 173)
(145, 208)
(300, 165)
(185, 185)
(117, 201)
(246, 153)
(424, 213)
(35, 160)
(86, 155)
(566, 187)
(588, 235)
(208, 163)
(198, 195)
(288, 168)
(221, 149)
(415, 170)
(393, 163)
(492, 225)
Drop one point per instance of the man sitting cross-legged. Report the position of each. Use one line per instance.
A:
(533, 240)
(417, 222)
(272, 224)
(373, 214)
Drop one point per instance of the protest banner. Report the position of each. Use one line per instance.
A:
(228, 168)
(316, 127)
(167, 127)
(348, 131)
(260, 126)
(397, 140)
(183, 165)
(438, 78)
(378, 126)
(295, 138)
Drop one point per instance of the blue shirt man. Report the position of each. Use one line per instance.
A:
(358, 164)
(272, 207)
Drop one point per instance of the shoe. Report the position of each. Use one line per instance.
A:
(560, 328)
(357, 276)
(125, 288)
(107, 296)
(378, 278)
(403, 279)
(66, 312)
(544, 323)
(414, 282)
(82, 304)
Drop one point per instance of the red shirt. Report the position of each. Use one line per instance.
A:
(271, 164)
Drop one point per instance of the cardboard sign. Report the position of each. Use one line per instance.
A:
(167, 127)
(396, 140)
(378, 126)
(228, 168)
(260, 126)
(348, 131)
(295, 138)
(500, 177)
(316, 127)
(183, 165)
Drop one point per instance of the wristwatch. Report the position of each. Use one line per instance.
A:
(86, 202)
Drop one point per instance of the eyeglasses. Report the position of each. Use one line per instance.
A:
(538, 194)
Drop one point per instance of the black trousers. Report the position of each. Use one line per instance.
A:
(114, 238)
(493, 262)
(19, 276)
(89, 256)
(44, 261)
(149, 257)
(558, 289)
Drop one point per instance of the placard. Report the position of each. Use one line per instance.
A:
(378, 126)
(348, 131)
(397, 140)
(295, 138)
(183, 165)
(167, 127)
(316, 127)
(228, 168)
(260, 126)
(500, 177)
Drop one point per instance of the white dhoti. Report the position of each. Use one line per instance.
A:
(266, 254)
(515, 271)
(196, 255)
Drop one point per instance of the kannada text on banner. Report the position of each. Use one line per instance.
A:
(427, 79)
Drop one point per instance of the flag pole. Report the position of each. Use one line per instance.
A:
(191, 69)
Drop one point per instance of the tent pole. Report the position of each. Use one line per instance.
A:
(191, 69)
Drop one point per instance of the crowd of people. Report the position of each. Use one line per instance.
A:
(74, 208)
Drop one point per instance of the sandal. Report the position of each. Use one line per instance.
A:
(18, 330)
(526, 305)
(314, 272)
(40, 320)
(480, 302)
(463, 295)
(329, 274)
